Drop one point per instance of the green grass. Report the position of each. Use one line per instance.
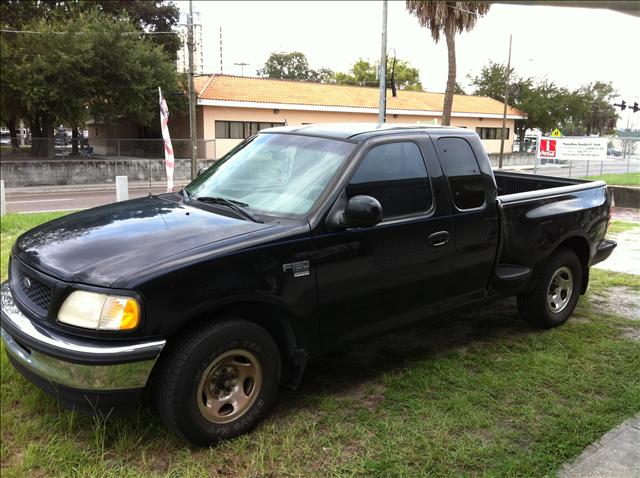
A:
(623, 179)
(617, 226)
(12, 225)
(475, 393)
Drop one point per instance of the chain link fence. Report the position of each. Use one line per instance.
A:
(624, 160)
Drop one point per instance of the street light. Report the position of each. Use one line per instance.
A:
(241, 65)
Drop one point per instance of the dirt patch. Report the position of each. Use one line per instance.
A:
(632, 333)
(620, 301)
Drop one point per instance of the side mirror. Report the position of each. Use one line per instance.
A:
(361, 211)
(200, 171)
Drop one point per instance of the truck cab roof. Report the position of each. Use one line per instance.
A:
(358, 132)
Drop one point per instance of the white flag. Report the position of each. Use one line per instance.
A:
(169, 160)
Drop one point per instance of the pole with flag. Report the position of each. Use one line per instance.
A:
(169, 160)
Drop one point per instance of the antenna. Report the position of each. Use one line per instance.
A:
(221, 49)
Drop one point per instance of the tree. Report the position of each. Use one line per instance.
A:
(583, 111)
(364, 73)
(458, 89)
(449, 18)
(287, 65)
(87, 65)
(148, 16)
(540, 100)
(69, 62)
(592, 108)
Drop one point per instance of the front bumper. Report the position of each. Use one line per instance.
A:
(90, 376)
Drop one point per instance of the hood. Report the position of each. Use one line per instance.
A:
(100, 245)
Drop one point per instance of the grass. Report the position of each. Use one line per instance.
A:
(623, 179)
(475, 393)
(617, 226)
(12, 225)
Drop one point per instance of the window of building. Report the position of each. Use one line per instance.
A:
(463, 172)
(240, 129)
(492, 133)
(394, 174)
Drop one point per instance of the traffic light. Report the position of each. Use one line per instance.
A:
(622, 105)
(635, 107)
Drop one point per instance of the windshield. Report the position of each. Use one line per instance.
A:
(276, 174)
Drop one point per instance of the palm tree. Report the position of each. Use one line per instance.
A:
(448, 17)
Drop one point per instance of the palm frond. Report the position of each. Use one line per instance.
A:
(441, 16)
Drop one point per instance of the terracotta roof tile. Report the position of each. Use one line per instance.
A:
(267, 90)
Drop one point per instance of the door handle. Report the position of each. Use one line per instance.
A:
(440, 238)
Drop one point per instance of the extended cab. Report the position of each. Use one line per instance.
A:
(297, 242)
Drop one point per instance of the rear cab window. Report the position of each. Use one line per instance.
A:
(463, 173)
(395, 174)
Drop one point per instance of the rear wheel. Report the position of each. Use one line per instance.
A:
(218, 382)
(556, 292)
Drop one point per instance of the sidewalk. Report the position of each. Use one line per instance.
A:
(615, 455)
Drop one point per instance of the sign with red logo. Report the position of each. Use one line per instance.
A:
(573, 148)
(547, 148)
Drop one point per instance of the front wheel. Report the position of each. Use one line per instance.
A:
(555, 293)
(218, 381)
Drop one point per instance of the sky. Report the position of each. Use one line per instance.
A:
(569, 46)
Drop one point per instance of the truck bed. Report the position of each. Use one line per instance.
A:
(512, 183)
(539, 213)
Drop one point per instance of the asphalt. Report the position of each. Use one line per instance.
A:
(70, 198)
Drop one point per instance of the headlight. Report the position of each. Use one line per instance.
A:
(91, 310)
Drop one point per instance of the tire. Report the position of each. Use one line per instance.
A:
(555, 294)
(217, 382)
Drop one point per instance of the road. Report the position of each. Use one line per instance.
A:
(69, 200)
(579, 169)
(39, 200)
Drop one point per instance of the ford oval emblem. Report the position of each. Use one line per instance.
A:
(26, 283)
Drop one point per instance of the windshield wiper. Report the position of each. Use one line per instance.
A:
(231, 204)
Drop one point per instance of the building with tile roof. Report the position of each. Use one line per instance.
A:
(231, 108)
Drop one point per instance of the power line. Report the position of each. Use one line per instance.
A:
(85, 33)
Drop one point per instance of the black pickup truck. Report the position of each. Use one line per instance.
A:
(298, 241)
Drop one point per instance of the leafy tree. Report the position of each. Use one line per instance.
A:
(448, 18)
(148, 16)
(364, 73)
(87, 65)
(590, 109)
(579, 112)
(287, 65)
(458, 89)
(67, 64)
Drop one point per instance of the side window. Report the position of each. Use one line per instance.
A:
(463, 172)
(395, 175)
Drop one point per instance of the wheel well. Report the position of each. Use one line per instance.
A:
(273, 319)
(580, 246)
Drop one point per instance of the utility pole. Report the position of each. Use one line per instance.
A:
(382, 109)
(241, 65)
(506, 100)
(192, 96)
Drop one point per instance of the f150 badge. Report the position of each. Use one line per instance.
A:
(299, 269)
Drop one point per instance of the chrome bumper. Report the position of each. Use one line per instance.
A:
(71, 362)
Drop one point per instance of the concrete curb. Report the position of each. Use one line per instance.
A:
(626, 196)
(617, 454)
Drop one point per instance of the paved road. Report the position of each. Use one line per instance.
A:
(27, 201)
(70, 200)
(579, 168)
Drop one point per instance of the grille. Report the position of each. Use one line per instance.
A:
(37, 294)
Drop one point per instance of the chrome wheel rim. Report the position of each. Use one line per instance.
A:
(560, 289)
(229, 386)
